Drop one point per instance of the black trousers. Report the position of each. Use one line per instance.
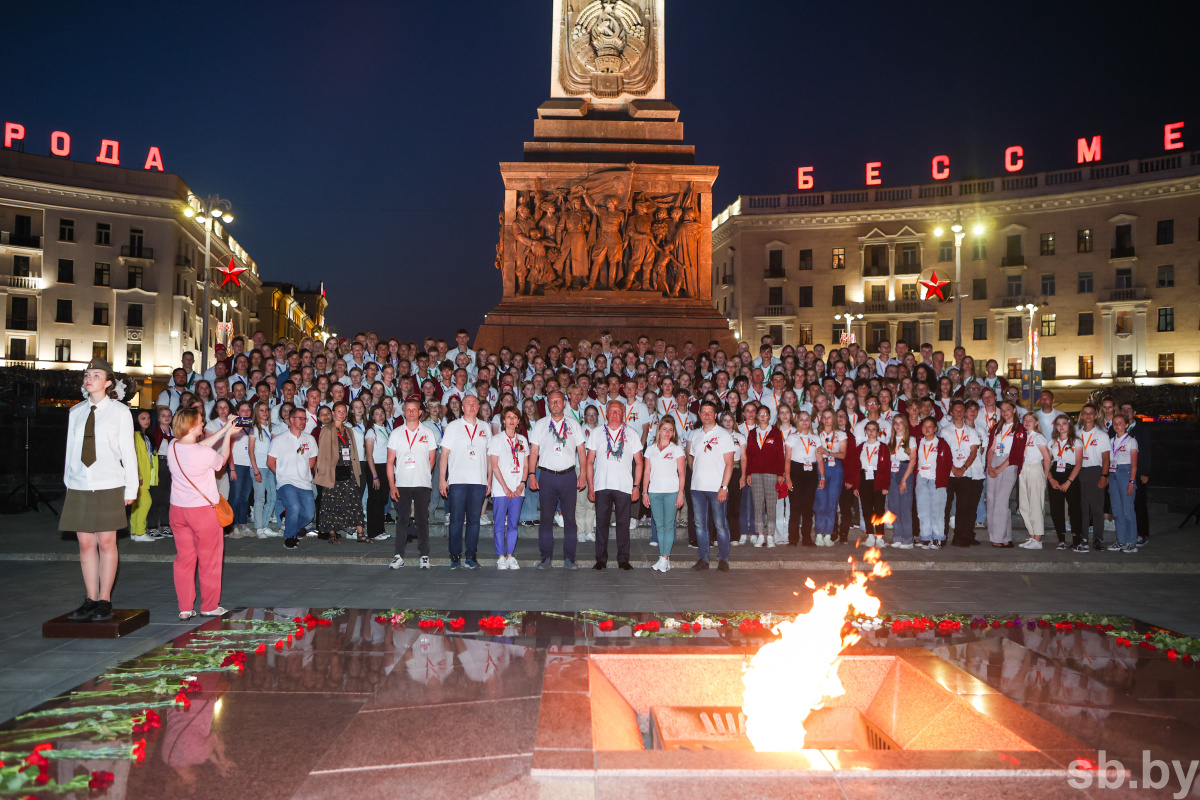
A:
(847, 513)
(1074, 511)
(963, 495)
(801, 499)
(734, 504)
(1139, 509)
(412, 497)
(376, 501)
(609, 501)
(873, 506)
(160, 498)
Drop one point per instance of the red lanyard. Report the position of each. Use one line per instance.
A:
(472, 433)
(415, 437)
(514, 446)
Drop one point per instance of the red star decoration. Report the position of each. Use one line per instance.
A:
(934, 287)
(233, 270)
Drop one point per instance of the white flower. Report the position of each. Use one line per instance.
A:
(119, 388)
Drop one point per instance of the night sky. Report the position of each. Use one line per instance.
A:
(359, 142)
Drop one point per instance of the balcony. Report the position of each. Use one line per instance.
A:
(908, 269)
(875, 271)
(1012, 301)
(1122, 252)
(129, 253)
(21, 240)
(21, 323)
(774, 274)
(1012, 261)
(182, 261)
(785, 310)
(21, 282)
(896, 307)
(1123, 295)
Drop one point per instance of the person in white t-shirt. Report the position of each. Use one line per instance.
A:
(556, 450)
(663, 486)
(1031, 483)
(1122, 485)
(411, 451)
(463, 481)
(507, 453)
(292, 457)
(710, 454)
(967, 471)
(375, 443)
(259, 438)
(1046, 413)
(1093, 475)
(614, 475)
(805, 470)
(241, 488)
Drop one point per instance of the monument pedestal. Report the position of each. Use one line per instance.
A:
(124, 622)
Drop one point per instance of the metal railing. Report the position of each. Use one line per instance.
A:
(1012, 261)
(1122, 252)
(20, 239)
(182, 261)
(128, 251)
(21, 323)
(774, 273)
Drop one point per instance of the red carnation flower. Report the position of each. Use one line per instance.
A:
(380, 618)
(261, 649)
(182, 700)
(606, 625)
(99, 781)
(279, 645)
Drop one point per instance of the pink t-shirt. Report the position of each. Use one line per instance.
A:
(199, 463)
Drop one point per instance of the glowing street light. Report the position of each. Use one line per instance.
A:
(210, 209)
(956, 228)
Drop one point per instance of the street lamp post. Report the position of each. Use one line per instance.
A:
(849, 319)
(206, 212)
(1031, 346)
(224, 303)
(959, 234)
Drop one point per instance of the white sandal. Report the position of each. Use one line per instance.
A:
(216, 612)
(186, 615)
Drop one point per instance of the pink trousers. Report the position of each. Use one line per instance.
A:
(198, 540)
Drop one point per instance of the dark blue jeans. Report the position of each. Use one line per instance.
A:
(240, 491)
(465, 502)
(706, 504)
(301, 508)
(557, 491)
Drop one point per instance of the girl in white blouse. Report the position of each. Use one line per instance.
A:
(663, 486)
(1031, 483)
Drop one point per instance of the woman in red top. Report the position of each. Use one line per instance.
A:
(764, 471)
(870, 477)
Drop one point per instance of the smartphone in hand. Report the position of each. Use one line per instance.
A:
(242, 422)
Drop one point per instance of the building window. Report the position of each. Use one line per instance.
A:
(1125, 366)
(1085, 283)
(62, 349)
(878, 293)
(908, 255)
(839, 258)
(1087, 323)
(100, 314)
(979, 289)
(775, 263)
(1014, 252)
(979, 329)
(103, 234)
(775, 297)
(1014, 369)
(1014, 327)
(1083, 240)
(1049, 324)
(21, 266)
(1166, 319)
(839, 330)
(1085, 366)
(62, 311)
(134, 318)
(1166, 232)
(946, 251)
(1013, 285)
(776, 333)
(806, 333)
(133, 355)
(806, 259)
(876, 333)
(100, 350)
(1047, 246)
(908, 331)
(1124, 278)
(1166, 276)
(805, 300)
(66, 230)
(1166, 363)
(1049, 368)
(136, 274)
(979, 251)
(1122, 242)
(945, 330)
(66, 270)
(103, 274)
(1124, 319)
(908, 291)
(839, 294)
(1048, 284)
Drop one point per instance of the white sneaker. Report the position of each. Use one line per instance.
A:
(558, 520)
(633, 523)
(512, 563)
(758, 541)
(591, 537)
(143, 537)
(770, 541)
(869, 541)
(502, 562)
(666, 565)
(742, 540)
(654, 544)
(424, 562)
(903, 546)
(397, 562)
(827, 540)
(262, 533)
(657, 565)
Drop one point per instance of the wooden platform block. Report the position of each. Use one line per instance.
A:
(124, 622)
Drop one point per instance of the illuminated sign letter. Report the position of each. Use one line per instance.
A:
(873, 173)
(12, 132)
(806, 178)
(941, 168)
(1173, 136)
(1014, 158)
(109, 152)
(154, 159)
(1088, 152)
(60, 144)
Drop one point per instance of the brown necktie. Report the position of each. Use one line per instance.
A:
(88, 456)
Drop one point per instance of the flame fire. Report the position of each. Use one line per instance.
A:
(791, 677)
(887, 519)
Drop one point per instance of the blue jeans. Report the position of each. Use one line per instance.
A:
(264, 498)
(1122, 504)
(531, 508)
(931, 510)
(705, 503)
(465, 502)
(240, 493)
(301, 507)
(826, 502)
(505, 513)
(662, 514)
(901, 504)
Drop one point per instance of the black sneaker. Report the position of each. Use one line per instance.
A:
(700, 565)
(599, 565)
(84, 612)
(1141, 541)
(936, 544)
(103, 611)
(722, 566)
(471, 563)
(290, 542)
(808, 543)
(544, 564)
(455, 564)
(624, 565)
(1097, 544)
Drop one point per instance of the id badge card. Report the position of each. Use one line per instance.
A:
(895, 466)
(472, 454)
(1000, 449)
(410, 462)
(807, 467)
(869, 474)
(1060, 466)
(832, 462)
(346, 453)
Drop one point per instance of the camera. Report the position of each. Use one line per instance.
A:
(243, 422)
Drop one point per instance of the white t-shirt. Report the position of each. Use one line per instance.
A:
(1062, 454)
(961, 440)
(412, 450)
(927, 453)
(1121, 447)
(1033, 453)
(239, 447)
(636, 415)
(804, 447)
(664, 474)
(868, 458)
(557, 447)
(466, 447)
(833, 443)
(899, 457)
(262, 442)
(707, 451)
(739, 441)
(291, 454)
(885, 430)
(378, 436)
(510, 462)
(1046, 421)
(1095, 444)
(609, 470)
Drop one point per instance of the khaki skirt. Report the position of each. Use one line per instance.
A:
(101, 510)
